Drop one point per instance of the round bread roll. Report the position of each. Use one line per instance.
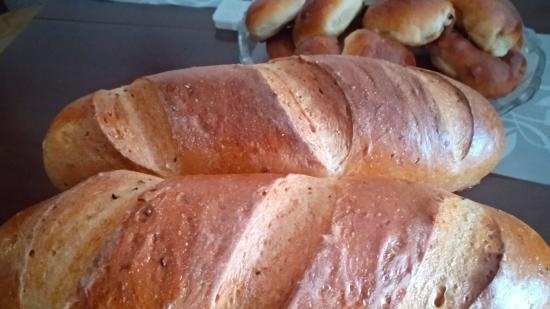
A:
(265, 18)
(327, 18)
(319, 45)
(494, 25)
(411, 22)
(367, 43)
(280, 45)
(493, 77)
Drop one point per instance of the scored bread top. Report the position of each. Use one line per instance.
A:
(411, 22)
(314, 115)
(125, 239)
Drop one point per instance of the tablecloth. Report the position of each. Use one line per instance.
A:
(527, 151)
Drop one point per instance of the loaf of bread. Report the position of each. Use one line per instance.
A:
(493, 77)
(128, 240)
(314, 115)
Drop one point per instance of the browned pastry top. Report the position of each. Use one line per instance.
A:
(411, 22)
(243, 248)
(316, 115)
(265, 18)
(319, 45)
(325, 18)
(493, 77)
(267, 241)
(368, 43)
(494, 25)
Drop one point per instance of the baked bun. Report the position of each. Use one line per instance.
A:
(280, 45)
(493, 77)
(411, 22)
(367, 43)
(319, 45)
(494, 25)
(327, 18)
(265, 18)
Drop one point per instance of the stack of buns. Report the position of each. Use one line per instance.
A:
(475, 42)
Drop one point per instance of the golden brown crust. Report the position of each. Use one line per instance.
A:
(183, 224)
(324, 18)
(479, 149)
(75, 135)
(526, 258)
(265, 18)
(410, 22)
(367, 43)
(254, 133)
(15, 238)
(51, 245)
(386, 258)
(270, 241)
(138, 130)
(441, 150)
(280, 45)
(315, 115)
(464, 254)
(491, 76)
(319, 45)
(494, 25)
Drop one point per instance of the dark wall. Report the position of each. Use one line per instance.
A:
(535, 14)
(2, 7)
